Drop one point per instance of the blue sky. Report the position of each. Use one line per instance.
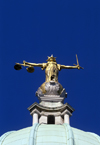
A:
(32, 30)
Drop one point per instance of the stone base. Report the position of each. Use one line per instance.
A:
(53, 92)
(54, 98)
(51, 104)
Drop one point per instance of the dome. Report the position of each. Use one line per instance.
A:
(49, 134)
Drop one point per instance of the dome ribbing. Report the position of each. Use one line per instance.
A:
(45, 134)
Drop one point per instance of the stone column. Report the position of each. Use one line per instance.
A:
(66, 118)
(35, 118)
(58, 120)
(43, 119)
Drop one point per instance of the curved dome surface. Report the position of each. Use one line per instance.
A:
(49, 134)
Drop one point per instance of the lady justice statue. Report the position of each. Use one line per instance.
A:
(51, 86)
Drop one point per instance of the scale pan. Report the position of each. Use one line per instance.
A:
(30, 69)
(17, 67)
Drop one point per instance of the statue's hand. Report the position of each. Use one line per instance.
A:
(78, 67)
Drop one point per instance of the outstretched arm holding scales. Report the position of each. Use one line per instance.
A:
(30, 64)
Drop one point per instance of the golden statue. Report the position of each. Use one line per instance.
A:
(51, 70)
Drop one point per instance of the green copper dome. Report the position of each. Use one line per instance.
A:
(42, 134)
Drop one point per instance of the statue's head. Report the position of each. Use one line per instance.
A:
(51, 58)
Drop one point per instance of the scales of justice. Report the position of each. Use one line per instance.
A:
(51, 94)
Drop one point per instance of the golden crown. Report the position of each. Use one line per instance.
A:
(51, 58)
